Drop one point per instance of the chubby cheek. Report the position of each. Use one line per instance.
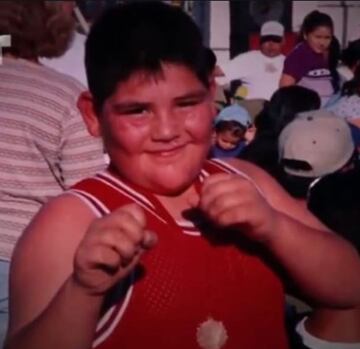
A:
(124, 135)
(200, 126)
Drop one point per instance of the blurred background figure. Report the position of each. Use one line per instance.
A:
(276, 114)
(347, 106)
(350, 59)
(45, 147)
(313, 145)
(313, 62)
(72, 61)
(231, 132)
(259, 70)
(335, 200)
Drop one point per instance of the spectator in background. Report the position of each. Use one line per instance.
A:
(231, 128)
(313, 145)
(259, 70)
(71, 62)
(312, 63)
(45, 147)
(348, 105)
(335, 200)
(350, 59)
(282, 109)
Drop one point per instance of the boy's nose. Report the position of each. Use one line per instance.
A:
(165, 127)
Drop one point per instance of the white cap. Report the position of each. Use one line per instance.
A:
(320, 139)
(272, 28)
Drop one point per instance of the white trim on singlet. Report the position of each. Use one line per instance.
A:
(113, 316)
(107, 323)
(87, 198)
(121, 184)
(110, 327)
(188, 228)
(130, 193)
(203, 174)
(230, 169)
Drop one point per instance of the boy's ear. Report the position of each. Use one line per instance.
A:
(86, 106)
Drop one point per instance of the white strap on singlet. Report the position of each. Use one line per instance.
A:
(230, 169)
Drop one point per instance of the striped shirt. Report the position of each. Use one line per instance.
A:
(44, 145)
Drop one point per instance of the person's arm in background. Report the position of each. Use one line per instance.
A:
(236, 68)
(286, 80)
(81, 155)
(294, 67)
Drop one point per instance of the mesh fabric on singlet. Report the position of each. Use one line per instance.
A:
(191, 276)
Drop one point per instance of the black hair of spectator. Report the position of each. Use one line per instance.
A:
(283, 106)
(350, 56)
(352, 87)
(296, 186)
(314, 20)
(141, 37)
(233, 126)
(211, 58)
(333, 61)
(335, 200)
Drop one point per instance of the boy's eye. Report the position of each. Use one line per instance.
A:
(135, 112)
(186, 104)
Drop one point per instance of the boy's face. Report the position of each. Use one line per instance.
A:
(227, 140)
(157, 129)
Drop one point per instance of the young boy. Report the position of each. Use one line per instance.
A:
(152, 251)
(231, 128)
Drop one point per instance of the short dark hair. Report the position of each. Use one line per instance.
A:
(335, 200)
(296, 186)
(233, 126)
(283, 106)
(350, 56)
(141, 36)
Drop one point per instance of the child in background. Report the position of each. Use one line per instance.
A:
(232, 132)
(312, 63)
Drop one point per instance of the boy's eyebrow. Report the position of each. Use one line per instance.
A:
(121, 106)
(198, 94)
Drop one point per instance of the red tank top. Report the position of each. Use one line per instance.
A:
(196, 289)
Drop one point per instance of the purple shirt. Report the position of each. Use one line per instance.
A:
(310, 69)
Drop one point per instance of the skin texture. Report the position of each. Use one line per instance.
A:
(160, 135)
(227, 140)
(319, 39)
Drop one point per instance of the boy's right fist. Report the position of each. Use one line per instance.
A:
(111, 248)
